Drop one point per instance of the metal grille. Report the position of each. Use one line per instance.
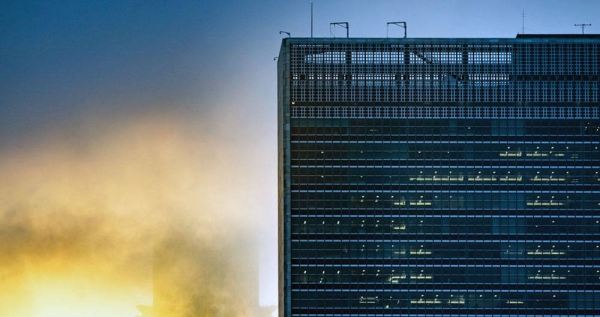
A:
(451, 70)
(429, 112)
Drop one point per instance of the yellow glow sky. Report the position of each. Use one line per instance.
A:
(80, 219)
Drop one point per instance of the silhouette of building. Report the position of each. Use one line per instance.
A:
(197, 276)
(430, 177)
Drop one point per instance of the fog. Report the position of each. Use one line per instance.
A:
(99, 219)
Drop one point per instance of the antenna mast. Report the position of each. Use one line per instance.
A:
(400, 24)
(523, 22)
(342, 24)
(583, 25)
(311, 19)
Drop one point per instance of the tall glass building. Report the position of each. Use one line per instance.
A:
(439, 177)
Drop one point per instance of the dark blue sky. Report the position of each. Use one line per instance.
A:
(65, 59)
(63, 62)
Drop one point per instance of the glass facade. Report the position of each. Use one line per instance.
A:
(439, 177)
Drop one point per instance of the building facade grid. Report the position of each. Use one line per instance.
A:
(446, 70)
(439, 177)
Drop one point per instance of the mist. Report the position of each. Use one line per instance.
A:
(145, 210)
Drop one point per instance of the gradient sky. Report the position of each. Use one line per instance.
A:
(66, 63)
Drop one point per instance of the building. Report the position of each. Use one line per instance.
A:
(195, 277)
(431, 177)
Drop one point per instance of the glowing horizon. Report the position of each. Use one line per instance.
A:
(82, 227)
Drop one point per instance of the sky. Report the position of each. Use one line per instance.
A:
(90, 88)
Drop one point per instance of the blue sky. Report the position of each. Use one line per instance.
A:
(62, 62)
(62, 59)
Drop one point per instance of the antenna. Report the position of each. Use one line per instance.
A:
(583, 25)
(400, 24)
(523, 22)
(284, 32)
(311, 19)
(342, 24)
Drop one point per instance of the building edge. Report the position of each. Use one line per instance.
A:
(283, 180)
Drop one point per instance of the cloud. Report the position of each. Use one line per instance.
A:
(118, 210)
